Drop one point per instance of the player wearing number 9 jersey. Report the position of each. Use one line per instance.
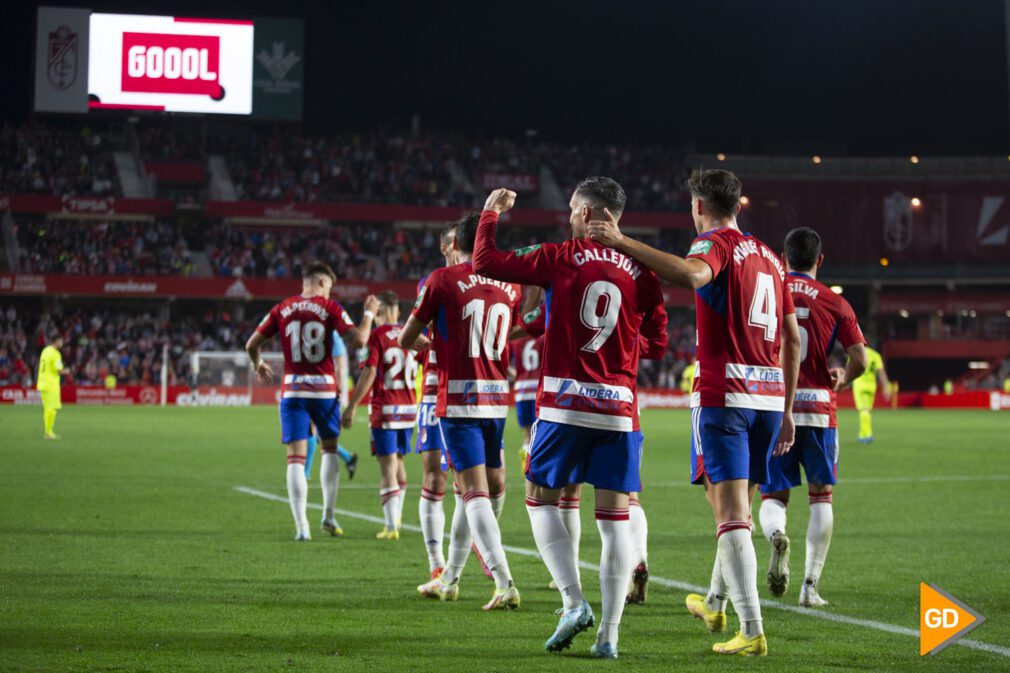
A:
(471, 317)
(598, 302)
(745, 382)
(309, 387)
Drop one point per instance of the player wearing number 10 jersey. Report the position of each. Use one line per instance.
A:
(598, 303)
(309, 388)
(471, 317)
(745, 382)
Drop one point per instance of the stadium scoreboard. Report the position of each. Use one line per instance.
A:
(86, 60)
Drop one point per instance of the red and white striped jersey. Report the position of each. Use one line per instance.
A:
(526, 353)
(306, 325)
(471, 317)
(740, 314)
(394, 400)
(598, 302)
(429, 369)
(823, 317)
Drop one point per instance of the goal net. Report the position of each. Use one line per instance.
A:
(232, 369)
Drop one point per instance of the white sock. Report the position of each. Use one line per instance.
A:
(822, 521)
(498, 503)
(772, 516)
(639, 533)
(718, 592)
(298, 492)
(329, 478)
(570, 515)
(487, 535)
(403, 498)
(460, 541)
(432, 516)
(555, 547)
(615, 566)
(390, 505)
(739, 569)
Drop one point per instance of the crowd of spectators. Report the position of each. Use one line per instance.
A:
(37, 159)
(102, 248)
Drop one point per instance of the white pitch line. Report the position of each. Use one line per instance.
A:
(673, 584)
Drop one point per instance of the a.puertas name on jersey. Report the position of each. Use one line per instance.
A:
(475, 279)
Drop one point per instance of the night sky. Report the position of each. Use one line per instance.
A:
(869, 77)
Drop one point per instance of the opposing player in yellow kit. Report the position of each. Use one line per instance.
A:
(864, 392)
(48, 383)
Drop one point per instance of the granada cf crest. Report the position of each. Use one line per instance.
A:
(62, 58)
(897, 222)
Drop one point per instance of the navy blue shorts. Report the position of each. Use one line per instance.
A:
(526, 412)
(387, 442)
(729, 443)
(428, 436)
(472, 441)
(563, 454)
(816, 449)
(297, 413)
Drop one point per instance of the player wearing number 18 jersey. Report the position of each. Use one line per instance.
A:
(598, 303)
(744, 388)
(309, 387)
(471, 317)
(824, 319)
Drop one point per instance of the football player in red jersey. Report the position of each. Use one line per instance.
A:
(743, 389)
(471, 317)
(309, 387)
(389, 374)
(599, 302)
(824, 318)
(429, 445)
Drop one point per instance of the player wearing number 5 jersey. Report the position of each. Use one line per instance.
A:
(824, 318)
(389, 374)
(309, 387)
(471, 317)
(745, 381)
(598, 303)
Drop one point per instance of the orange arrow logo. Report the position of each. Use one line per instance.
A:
(943, 619)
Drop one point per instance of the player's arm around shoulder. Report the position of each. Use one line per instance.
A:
(687, 273)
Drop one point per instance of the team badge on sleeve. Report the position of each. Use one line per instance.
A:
(700, 248)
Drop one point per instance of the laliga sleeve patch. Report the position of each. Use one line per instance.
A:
(420, 297)
(519, 252)
(700, 248)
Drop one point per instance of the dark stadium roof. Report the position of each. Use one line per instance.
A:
(829, 77)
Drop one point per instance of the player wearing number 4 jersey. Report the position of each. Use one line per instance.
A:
(471, 317)
(598, 304)
(388, 374)
(824, 318)
(743, 392)
(309, 388)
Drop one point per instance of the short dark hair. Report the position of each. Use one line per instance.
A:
(603, 192)
(466, 232)
(447, 233)
(389, 299)
(719, 189)
(803, 248)
(318, 269)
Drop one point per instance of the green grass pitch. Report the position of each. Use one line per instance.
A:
(127, 548)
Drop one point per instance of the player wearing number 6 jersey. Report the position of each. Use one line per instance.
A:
(598, 304)
(743, 392)
(471, 317)
(309, 388)
(388, 373)
(824, 318)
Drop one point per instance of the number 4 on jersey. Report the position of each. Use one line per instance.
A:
(762, 306)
